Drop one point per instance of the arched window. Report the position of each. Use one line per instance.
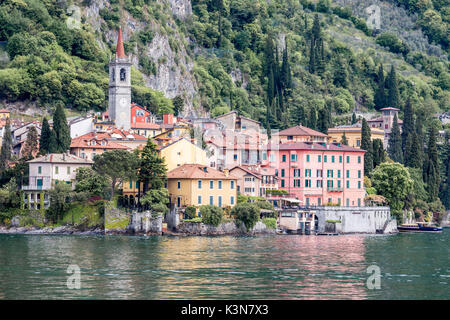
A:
(113, 76)
(122, 74)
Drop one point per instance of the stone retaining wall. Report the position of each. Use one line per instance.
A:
(228, 228)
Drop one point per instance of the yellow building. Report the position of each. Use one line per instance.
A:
(175, 154)
(353, 134)
(197, 185)
(4, 114)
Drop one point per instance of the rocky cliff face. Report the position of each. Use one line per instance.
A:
(174, 66)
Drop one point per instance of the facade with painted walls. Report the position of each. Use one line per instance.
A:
(197, 185)
(175, 154)
(319, 173)
(353, 134)
(254, 180)
(47, 171)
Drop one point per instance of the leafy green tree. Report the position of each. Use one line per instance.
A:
(89, 181)
(60, 203)
(117, 165)
(366, 144)
(395, 142)
(61, 129)
(393, 181)
(247, 213)
(190, 211)
(157, 201)
(211, 215)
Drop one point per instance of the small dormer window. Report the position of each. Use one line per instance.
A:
(122, 74)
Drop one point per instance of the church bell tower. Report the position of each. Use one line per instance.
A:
(119, 104)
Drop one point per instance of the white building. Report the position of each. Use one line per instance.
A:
(80, 125)
(47, 171)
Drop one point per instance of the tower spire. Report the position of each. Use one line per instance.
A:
(120, 52)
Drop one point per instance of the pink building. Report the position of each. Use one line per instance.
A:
(317, 173)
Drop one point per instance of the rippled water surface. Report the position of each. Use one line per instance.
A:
(413, 266)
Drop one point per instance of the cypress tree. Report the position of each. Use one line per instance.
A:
(270, 88)
(152, 169)
(340, 74)
(366, 144)
(344, 140)
(44, 142)
(53, 144)
(395, 143)
(391, 83)
(312, 58)
(31, 144)
(5, 154)
(354, 120)
(407, 130)
(432, 178)
(414, 159)
(445, 190)
(61, 129)
(312, 119)
(299, 115)
(379, 98)
(379, 155)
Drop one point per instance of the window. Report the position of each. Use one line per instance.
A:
(293, 157)
(123, 74)
(131, 184)
(332, 159)
(199, 200)
(307, 158)
(211, 200)
(39, 170)
(358, 143)
(359, 202)
(283, 158)
(359, 159)
(235, 157)
(348, 173)
(178, 184)
(348, 159)
(319, 201)
(325, 158)
(290, 137)
(264, 155)
(56, 170)
(347, 202)
(307, 201)
(282, 172)
(211, 184)
(282, 183)
(232, 184)
(220, 201)
(199, 184)
(297, 183)
(220, 184)
(348, 184)
(339, 184)
(340, 159)
(232, 200)
(319, 184)
(319, 158)
(272, 157)
(339, 173)
(359, 184)
(359, 173)
(276, 172)
(308, 183)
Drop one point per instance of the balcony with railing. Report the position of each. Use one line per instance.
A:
(38, 183)
(335, 189)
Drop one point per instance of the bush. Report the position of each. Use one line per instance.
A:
(248, 213)
(211, 215)
(190, 211)
(271, 223)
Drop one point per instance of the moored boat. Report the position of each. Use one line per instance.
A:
(418, 227)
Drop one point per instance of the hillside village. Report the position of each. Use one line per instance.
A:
(205, 169)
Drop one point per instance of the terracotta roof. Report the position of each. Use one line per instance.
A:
(126, 135)
(61, 158)
(255, 174)
(95, 140)
(145, 125)
(120, 52)
(197, 171)
(300, 131)
(319, 146)
(5, 111)
(390, 108)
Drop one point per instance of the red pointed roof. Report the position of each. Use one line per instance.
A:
(120, 51)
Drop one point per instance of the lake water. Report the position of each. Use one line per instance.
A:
(412, 266)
